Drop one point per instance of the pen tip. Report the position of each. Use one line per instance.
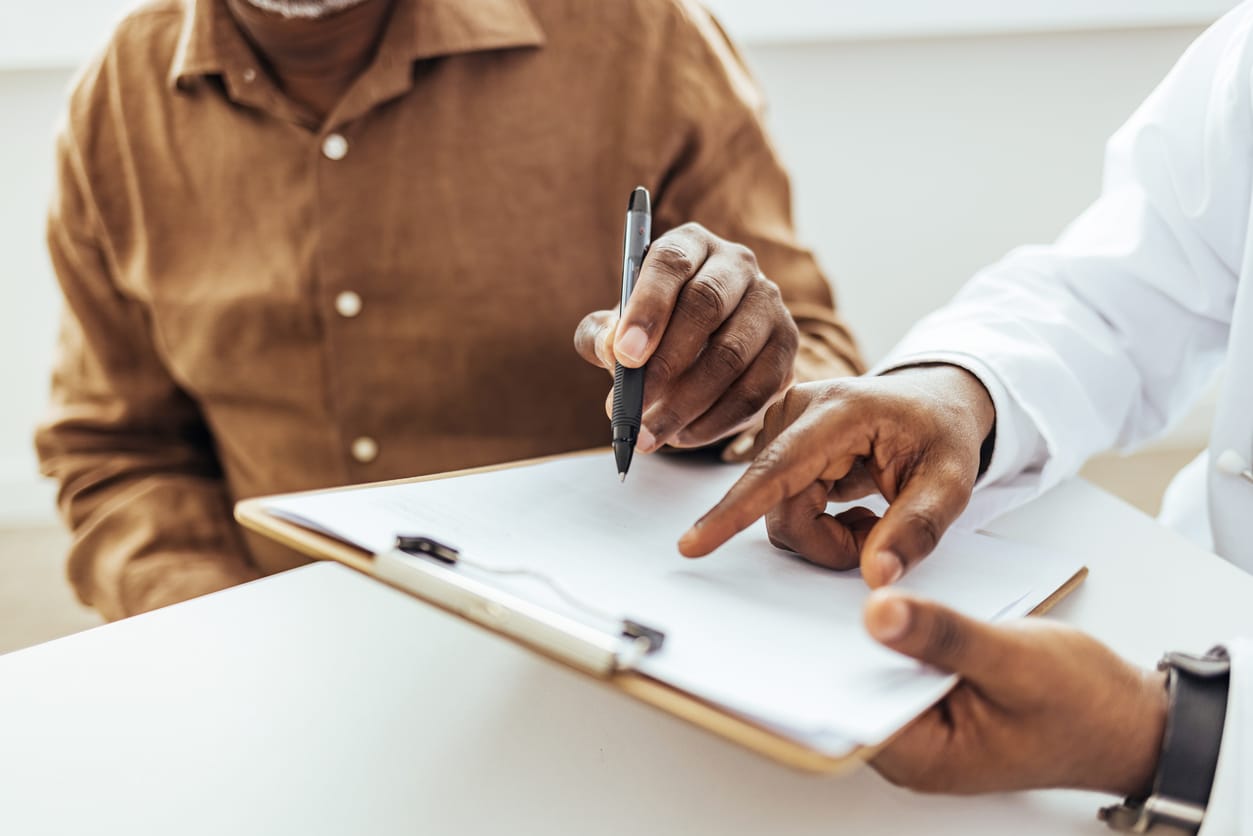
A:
(621, 477)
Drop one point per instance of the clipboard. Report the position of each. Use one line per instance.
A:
(606, 655)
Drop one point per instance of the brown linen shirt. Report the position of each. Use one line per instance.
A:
(257, 303)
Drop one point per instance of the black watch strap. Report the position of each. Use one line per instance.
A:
(1194, 730)
(1189, 760)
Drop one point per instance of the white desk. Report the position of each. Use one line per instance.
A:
(319, 702)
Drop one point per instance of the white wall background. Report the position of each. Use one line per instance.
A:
(916, 160)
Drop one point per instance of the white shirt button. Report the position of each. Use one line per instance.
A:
(348, 304)
(1232, 463)
(335, 147)
(365, 449)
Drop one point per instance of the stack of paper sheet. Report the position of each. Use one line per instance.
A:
(751, 628)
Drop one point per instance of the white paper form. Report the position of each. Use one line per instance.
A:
(751, 628)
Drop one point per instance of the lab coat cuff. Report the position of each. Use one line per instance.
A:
(1230, 808)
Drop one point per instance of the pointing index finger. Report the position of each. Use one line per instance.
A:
(785, 468)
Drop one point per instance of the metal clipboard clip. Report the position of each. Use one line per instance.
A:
(427, 568)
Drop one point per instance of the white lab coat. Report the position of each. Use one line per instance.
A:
(1108, 336)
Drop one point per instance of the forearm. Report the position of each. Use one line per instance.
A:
(160, 580)
(145, 541)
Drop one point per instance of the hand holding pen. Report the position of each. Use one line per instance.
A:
(712, 333)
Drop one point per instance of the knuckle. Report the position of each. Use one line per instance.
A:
(661, 370)
(704, 302)
(777, 534)
(776, 542)
(759, 297)
(664, 421)
(774, 465)
(674, 258)
(781, 349)
(955, 475)
(752, 397)
(746, 260)
(728, 354)
(946, 639)
(694, 229)
(926, 528)
(830, 393)
(768, 461)
(766, 285)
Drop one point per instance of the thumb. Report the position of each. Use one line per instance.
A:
(937, 635)
(913, 524)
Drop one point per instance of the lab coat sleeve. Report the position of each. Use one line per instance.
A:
(1230, 811)
(1108, 336)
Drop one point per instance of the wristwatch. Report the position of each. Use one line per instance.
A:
(1194, 732)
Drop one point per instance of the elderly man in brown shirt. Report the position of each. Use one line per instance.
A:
(305, 243)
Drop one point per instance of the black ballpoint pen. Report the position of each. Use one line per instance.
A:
(628, 384)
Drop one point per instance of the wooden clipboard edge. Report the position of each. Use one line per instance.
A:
(1062, 591)
(251, 514)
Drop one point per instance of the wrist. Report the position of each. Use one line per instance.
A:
(1183, 779)
(1143, 746)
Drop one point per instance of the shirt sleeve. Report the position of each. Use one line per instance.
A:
(1230, 808)
(140, 486)
(727, 176)
(1107, 337)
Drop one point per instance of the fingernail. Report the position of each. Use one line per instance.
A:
(741, 446)
(631, 345)
(890, 567)
(646, 441)
(890, 621)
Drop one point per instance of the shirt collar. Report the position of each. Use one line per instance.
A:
(209, 41)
